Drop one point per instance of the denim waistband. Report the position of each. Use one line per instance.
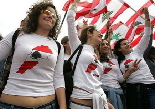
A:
(50, 105)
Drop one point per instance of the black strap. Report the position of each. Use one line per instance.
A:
(80, 49)
(14, 37)
(59, 46)
(74, 52)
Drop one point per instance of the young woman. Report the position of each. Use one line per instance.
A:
(112, 75)
(36, 74)
(87, 92)
(140, 92)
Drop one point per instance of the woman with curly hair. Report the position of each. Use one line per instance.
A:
(36, 75)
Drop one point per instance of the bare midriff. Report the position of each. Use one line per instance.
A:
(82, 101)
(26, 101)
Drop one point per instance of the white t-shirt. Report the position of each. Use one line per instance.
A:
(37, 69)
(111, 75)
(143, 75)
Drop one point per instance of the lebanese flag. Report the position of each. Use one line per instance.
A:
(139, 28)
(98, 7)
(119, 31)
(136, 40)
(134, 16)
(115, 8)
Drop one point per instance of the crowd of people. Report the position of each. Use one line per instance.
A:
(36, 79)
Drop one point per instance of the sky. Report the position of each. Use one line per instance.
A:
(13, 11)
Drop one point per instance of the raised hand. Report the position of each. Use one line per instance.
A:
(135, 66)
(145, 10)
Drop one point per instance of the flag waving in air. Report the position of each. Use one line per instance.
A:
(98, 7)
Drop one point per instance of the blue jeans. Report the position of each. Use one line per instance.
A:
(114, 96)
(151, 94)
(51, 105)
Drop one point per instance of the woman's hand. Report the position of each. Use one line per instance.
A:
(145, 10)
(134, 67)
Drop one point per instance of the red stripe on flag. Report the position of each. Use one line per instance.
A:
(112, 19)
(154, 36)
(95, 3)
(139, 30)
(98, 13)
(115, 26)
(67, 4)
(85, 4)
(82, 12)
(107, 1)
(95, 19)
(153, 21)
(120, 11)
(136, 41)
(128, 34)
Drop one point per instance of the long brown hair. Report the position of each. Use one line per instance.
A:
(83, 36)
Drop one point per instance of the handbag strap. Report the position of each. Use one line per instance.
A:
(80, 49)
(75, 52)
(14, 37)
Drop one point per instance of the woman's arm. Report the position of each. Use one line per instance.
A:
(58, 79)
(141, 47)
(146, 53)
(72, 32)
(6, 46)
(60, 93)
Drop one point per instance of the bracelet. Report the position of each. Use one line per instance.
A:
(147, 19)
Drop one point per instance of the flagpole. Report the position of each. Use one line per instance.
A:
(62, 22)
(137, 13)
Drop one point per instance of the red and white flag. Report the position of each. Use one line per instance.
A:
(98, 7)
(119, 31)
(135, 16)
(115, 8)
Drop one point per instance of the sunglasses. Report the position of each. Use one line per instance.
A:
(47, 12)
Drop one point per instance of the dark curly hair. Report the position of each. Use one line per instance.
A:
(83, 36)
(31, 22)
(118, 53)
